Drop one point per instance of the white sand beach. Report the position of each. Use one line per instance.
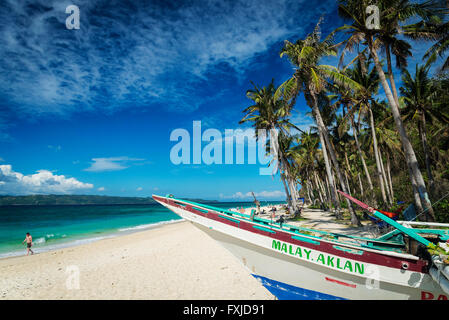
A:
(175, 261)
(317, 219)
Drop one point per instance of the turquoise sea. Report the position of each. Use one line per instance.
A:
(54, 227)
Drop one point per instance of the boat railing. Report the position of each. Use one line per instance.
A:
(333, 236)
(421, 223)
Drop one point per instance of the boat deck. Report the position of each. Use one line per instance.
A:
(393, 241)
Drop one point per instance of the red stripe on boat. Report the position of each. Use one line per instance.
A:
(341, 282)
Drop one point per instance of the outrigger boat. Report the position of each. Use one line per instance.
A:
(294, 262)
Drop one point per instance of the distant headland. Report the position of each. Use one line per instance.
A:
(53, 199)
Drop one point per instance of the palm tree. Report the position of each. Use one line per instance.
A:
(287, 157)
(383, 140)
(355, 11)
(419, 96)
(271, 114)
(436, 31)
(361, 103)
(305, 154)
(442, 45)
(311, 77)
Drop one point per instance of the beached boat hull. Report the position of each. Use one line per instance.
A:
(305, 267)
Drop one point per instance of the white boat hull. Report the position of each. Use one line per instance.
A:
(307, 276)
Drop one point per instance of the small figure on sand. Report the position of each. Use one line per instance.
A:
(29, 241)
(281, 220)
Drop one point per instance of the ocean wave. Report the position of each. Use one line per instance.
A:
(12, 254)
(39, 240)
(150, 225)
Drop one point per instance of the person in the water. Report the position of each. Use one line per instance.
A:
(29, 241)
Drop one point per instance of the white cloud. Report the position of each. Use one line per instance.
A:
(139, 189)
(111, 164)
(154, 54)
(43, 181)
(260, 195)
(302, 121)
(55, 148)
(101, 189)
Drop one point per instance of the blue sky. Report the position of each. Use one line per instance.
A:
(90, 111)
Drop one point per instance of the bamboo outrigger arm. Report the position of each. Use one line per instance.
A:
(408, 231)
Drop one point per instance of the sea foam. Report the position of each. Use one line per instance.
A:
(150, 225)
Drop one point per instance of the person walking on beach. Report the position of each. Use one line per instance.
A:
(29, 241)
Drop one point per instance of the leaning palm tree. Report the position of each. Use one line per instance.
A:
(271, 114)
(383, 140)
(305, 154)
(288, 155)
(355, 11)
(360, 104)
(311, 77)
(420, 97)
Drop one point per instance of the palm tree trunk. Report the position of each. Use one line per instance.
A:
(348, 171)
(320, 195)
(293, 193)
(422, 133)
(406, 144)
(284, 169)
(384, 177)
(293, 198)
(360, 184)
(418, 203)
(343, 184)
(365, 168)
(321, 190)
(389, 176)
(310, 192)
(391, 75)
(289, 202)
(323, 132)
(347, 183)
(328, 188)
(325, 190)
(376, 156)
(330, 177)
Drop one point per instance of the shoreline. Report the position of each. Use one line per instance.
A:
(74, 242)
(147, 264)
(45, 243)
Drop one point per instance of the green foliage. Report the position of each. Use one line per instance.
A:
(356, 119)
(442, 211)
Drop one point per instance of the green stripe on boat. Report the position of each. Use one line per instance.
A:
(353, 251)
(264, 229)
(200, 210)
(305, 240)
(230, 219)
(214, 208)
